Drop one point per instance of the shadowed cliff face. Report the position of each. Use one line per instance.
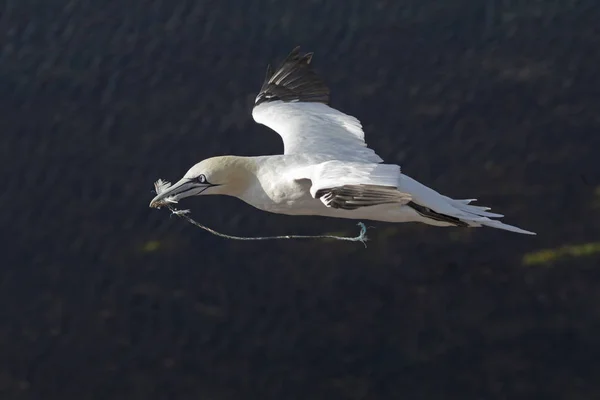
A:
(104, 298)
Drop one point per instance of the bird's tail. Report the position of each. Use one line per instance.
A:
(480, 216)
(439, 208)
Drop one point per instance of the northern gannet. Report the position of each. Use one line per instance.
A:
(326, 168)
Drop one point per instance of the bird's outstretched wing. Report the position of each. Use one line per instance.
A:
(293, 101)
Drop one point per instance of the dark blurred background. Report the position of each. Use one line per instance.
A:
(104, 298)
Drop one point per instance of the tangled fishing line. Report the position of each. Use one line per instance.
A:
(160, 186)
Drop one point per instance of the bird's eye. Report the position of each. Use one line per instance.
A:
(201, 178)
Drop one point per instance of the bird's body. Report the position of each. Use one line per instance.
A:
(326, 169)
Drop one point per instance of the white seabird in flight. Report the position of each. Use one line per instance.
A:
(326, 168)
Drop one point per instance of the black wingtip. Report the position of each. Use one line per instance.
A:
(269, 73)
(294, 80)
(429, 213)
(294, 56)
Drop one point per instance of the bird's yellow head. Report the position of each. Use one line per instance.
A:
(218, 175)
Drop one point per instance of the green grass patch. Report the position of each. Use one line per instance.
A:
(548, 256)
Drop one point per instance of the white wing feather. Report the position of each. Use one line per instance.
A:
(331, 174)
(316, 128)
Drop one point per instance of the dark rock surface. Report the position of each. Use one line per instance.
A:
(104, 298)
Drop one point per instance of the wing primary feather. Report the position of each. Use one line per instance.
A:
(429, 213)
(294, 80)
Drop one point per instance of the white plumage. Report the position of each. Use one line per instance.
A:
(326, 168)
(316, 128)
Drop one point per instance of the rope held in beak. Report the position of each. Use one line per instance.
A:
(161, 185)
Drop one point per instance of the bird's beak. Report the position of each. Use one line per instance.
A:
(183, 188)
